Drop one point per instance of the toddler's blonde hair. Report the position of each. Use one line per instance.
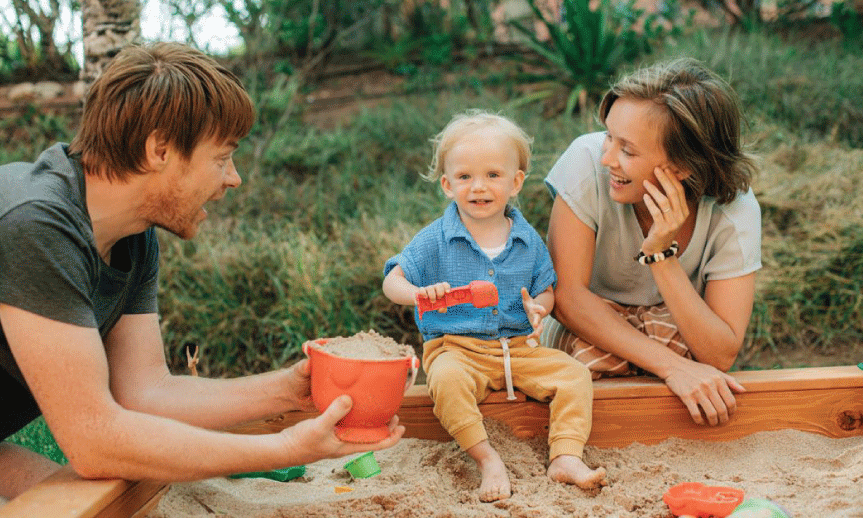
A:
(469, 121)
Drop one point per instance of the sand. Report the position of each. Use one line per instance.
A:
(364, 346)
(812, 476)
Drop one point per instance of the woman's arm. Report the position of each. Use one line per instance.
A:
(705, 390)
(713, 327)
(572, 245)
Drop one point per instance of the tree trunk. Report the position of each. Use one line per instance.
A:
(109, 25)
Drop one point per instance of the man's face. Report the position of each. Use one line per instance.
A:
(177, 205)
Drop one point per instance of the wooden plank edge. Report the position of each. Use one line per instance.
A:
(66, 495)
(846, 376)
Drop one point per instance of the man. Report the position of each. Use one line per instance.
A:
(80, 340)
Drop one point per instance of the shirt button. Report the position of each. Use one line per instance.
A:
(490, 271)
(494, 312)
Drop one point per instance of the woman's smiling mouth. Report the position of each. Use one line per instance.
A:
(619, 180)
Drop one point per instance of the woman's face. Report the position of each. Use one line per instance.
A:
(632, 148)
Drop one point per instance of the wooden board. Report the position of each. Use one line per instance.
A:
(66, 495)
(824, 400)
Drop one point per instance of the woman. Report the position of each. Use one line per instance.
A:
(656, 236)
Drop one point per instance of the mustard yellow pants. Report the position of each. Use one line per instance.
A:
(461, 372)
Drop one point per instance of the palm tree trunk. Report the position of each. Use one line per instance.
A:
(109, 25)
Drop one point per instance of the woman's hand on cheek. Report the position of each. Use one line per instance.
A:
(668, 208)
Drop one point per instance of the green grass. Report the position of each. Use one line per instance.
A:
(37, 437)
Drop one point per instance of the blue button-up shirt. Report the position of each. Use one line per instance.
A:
(445, 251)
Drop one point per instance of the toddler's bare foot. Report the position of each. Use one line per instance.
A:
(495, 480)
(569, 469)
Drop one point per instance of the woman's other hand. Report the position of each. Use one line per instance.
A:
(707, 392)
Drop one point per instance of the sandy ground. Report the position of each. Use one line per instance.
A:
(810, 475)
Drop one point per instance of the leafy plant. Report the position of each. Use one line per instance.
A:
(301, 34)
(849, 22)
(11, 60)
(590, 45)
(31, 26)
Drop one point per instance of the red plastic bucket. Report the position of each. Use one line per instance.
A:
(376, 387)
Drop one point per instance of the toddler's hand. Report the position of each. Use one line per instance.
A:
(535, 313)
(434, 292)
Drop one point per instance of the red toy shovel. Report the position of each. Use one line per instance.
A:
(479, 293)
(694, 498)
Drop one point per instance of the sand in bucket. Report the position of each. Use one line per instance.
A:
(375, 371)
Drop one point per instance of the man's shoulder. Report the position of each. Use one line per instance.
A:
(51, 181)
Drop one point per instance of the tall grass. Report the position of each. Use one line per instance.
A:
(811, 289)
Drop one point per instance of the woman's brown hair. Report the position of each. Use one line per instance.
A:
(179, 92)
(699, 116)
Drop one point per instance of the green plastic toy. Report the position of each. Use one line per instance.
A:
(364, 466)
(279, 475)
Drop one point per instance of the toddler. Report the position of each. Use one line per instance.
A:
(481, 160)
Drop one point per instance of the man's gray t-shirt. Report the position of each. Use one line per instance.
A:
(49, 264)
(725, 243)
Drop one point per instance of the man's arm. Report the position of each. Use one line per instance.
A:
(68, 372)
(140, 381)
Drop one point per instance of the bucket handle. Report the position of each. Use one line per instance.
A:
(414, 365)
(320, 341)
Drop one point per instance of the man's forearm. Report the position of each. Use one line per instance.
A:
(214, 403)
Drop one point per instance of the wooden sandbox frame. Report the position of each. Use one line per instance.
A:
(824, 400)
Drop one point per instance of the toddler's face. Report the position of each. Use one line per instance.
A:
(481, 173)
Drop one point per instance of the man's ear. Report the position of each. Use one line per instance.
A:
(156, 151)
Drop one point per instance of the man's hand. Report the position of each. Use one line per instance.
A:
(298, 386)
(315, 439)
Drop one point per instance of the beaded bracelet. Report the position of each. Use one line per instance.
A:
(659, 256)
